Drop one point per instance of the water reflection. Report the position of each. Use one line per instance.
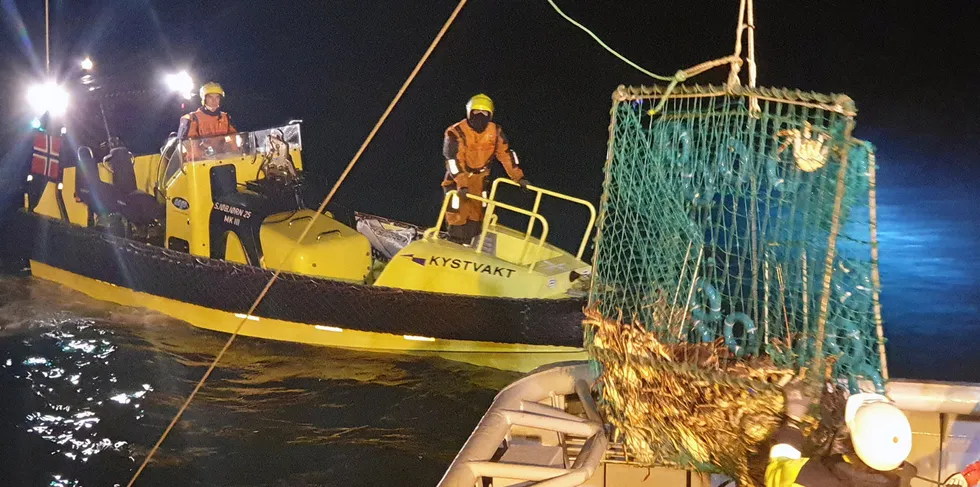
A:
(930, 271)
(92, 385)
(62, 380)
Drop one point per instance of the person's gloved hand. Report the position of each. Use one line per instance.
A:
(524, 182)
(462, 192)
(957, 480)
(798, 399)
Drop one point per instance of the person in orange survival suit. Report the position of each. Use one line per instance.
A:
(469, 147)
(206, 121)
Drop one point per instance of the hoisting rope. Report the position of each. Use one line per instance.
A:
(306, 230)
(603, 44)
(744, 9)
(682, 75)
(746, 21)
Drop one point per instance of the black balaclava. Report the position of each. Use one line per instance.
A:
(478, 121)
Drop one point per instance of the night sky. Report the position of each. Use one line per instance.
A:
(912, 70)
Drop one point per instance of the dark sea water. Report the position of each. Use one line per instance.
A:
(930, 271)
(87, 387)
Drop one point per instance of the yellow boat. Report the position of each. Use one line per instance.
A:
(197, 231)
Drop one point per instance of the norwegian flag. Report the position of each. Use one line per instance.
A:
(47, 154)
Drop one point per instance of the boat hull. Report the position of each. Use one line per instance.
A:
(511, 334)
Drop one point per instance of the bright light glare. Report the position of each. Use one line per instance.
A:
(180, 83)
(48, 98)
(87, 64)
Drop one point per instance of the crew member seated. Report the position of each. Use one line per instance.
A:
(206, 121)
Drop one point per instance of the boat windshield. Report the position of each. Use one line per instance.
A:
(241, 144)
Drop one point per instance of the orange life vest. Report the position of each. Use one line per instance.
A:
(202, 124)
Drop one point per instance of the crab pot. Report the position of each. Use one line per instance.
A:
(735, 248)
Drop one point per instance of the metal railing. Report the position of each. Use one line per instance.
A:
(490, 218)
(518, 405)
(537, 204)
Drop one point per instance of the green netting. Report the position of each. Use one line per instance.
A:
(719, 222)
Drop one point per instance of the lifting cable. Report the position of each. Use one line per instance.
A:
(611, 50)
(306, 230)
(682, 75)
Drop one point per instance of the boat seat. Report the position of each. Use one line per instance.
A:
(137, 206)
(102, 198)
(123, 173)
(142, 208)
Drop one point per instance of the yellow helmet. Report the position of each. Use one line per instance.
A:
(211, 88)
(479, 102)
